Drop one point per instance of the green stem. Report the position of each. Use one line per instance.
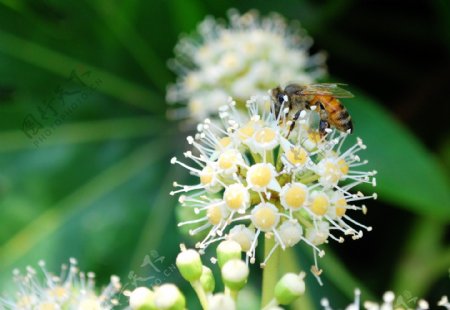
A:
(231, 293)
(309, 179)
(198, 288)
(270, 271)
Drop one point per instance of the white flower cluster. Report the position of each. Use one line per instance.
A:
(244, 58)
(389, 303)
(254, 180)
(71, 290)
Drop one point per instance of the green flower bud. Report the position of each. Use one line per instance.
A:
(189, 264)
(207, 280)
(221, 302)
(235, 274)
(142, 299)
(228, 250)
(289, 288)
(169, 297)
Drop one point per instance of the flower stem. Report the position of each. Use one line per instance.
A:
(198, 288)
(231, 293)
(270, 272)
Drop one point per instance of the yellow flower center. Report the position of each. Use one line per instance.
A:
(214, 215)
(234, 196)
(192, 82)
(295, 197)
(47, 306)
(59, 292)
(90, 304)
(265, 135)
(196, 106)
(223, 143)
(246, 131)
(265, 218)
(227, 159)
(25, 301)
(207, 175)
(320, 204)
(314, 137)
(332, 171)
(230, 60)
(260, 175)
(343, 166)
(297, 155)
(340, 205)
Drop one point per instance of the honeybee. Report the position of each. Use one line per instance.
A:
(321, 97)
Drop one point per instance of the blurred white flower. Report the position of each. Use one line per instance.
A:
(71, 290)
(390, 302)
(254, 180)
(244, 57)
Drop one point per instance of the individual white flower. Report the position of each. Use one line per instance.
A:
(72, 290)
(241, 58)
(289, 188)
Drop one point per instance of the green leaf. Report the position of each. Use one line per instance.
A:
(186, 14)
(63, 65)
(100, 185)
(408, 175)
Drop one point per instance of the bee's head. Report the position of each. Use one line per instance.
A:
(278, 96)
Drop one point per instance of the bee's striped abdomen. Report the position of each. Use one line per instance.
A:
(338, 115)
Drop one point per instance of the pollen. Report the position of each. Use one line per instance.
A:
(319, 205)
(265, 217)
(293, 196)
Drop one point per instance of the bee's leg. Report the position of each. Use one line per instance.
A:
(294, 119)
(322, 126)
(323, 123)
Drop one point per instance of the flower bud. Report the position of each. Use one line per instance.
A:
(228, 250)
(142, 298)
(289, 288)
(235, 274)
(189, 264)
(169, 297)
(221, 302)
(207, 280)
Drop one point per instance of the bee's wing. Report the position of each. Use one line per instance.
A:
(327, 89)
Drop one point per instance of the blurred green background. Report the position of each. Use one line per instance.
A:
(89, 178)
